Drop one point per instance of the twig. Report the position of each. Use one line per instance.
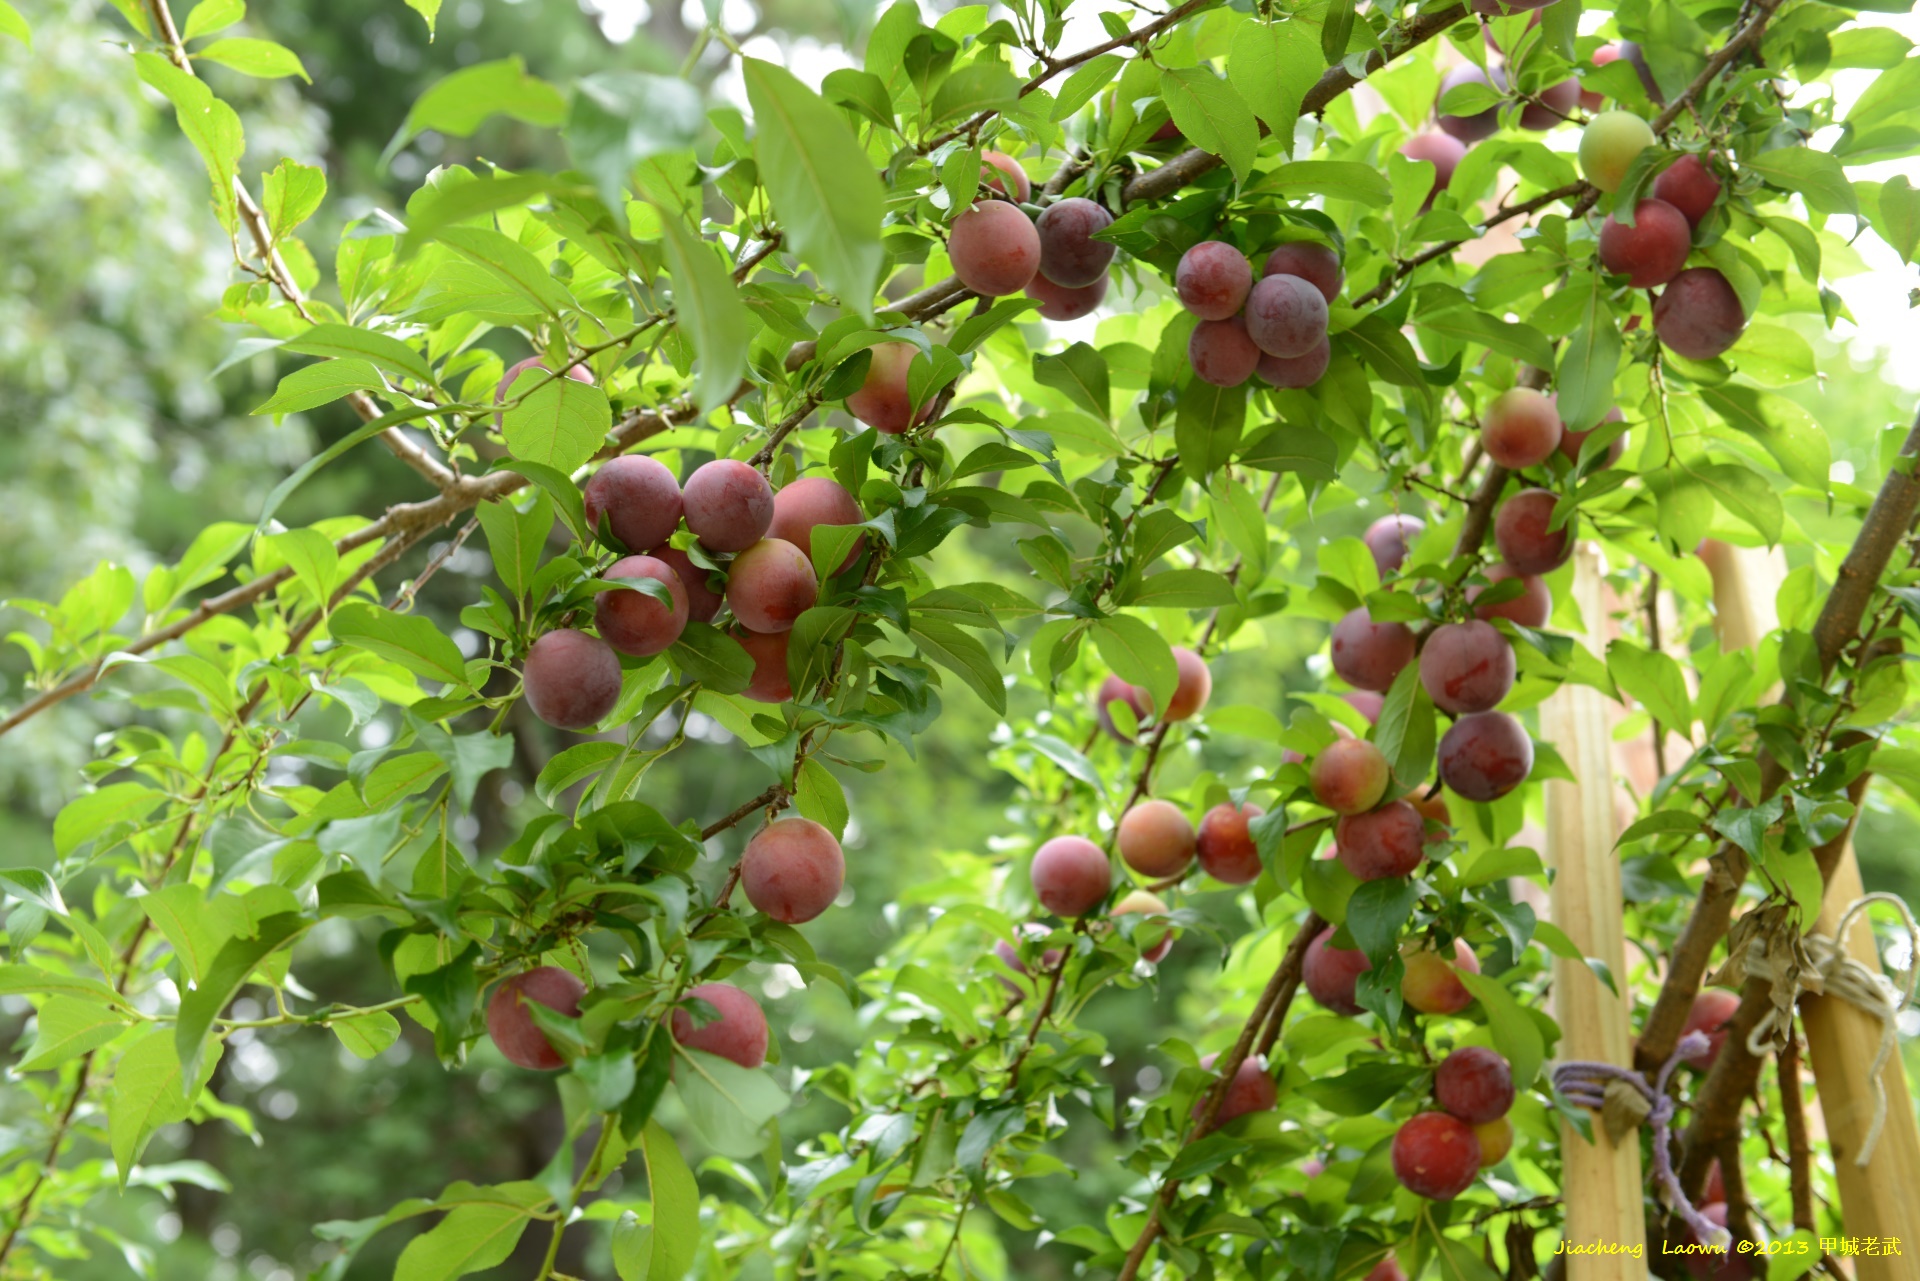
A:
(1793, 1111)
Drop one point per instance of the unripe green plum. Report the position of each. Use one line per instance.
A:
(513, 1030)
(1225, 844)
(1071, 876)
(1057, 302)
(739, 1034)
(1520, 428)
(1496, 1140)
(1432, 985)
(1698, 315)
(728, 505)
(1653, 250)
(1156, 839)
(1609, 145)
(1221, 353)
(1436, 1156)
(1069, 256)
(1486, 755)
(1213, 280)
(1143, 903)
(768, 650)
(572, 680)
(633, 622)
(770, 584)
(1311, 261)
(1349, 776)
(994, 248)
(883, 402)
(803, 505)
(639, 499)
(792, 870)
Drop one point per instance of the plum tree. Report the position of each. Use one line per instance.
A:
(1522, 530)
(1286, 316)
(1156, 839)
(1367, 654)
(1331, 974)
(1474, 1084)
(637, 497)
(1609, 145)
(1431, 984)
(1193, 687)
(511, 1027)
(1221, 352)
(1712, 1008)
(1520, 428)
(633, 621)
(883, 401)
(1440, 150)
(1115, 690)
(1650, 252)
(1224, 844)
(995, 249)
(804, 504)
(1069, 255)
(1436, 1156)
(1213, 280)
(1144, 903)
(578, 373)
(792, 870)
(1390, 840)
(1552, 106)
(1349, 776)
(703, 602)
(738, 1032)
(1388, 539)
(728, 505)
(1496, 1140)
(1485, 755)
(1296, 372)
(1312, 262)
(1071, 875)
(770, 584)
(1690, 185)
(768, 650)
(1251, 1090)
(1531, 608)
(572, 680)
(1057, 302)
(1467, 667)
(1571, 442)
(1481, 124)
(1003, 173)
(1698, 315)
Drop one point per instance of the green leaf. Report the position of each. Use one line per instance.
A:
(1376, 914)
(984, 85)
(1081, 373)
(513, 265)
(1273, 64)
(290, 195)
(148, 1093)
(708, 307)
(480, 1232)
(961, 653)
(1138, 655)
(210, 16)
(1337, 179)
(458, 104)
(1814, 174)
(728, 1103)
(210, 125)
(1509, 338)
(1379, 342)
(1898, 220)
(1782, 426)
(1207, 425)
(361, 345)
(96, 812)
(407, 639)
(313, 559)
(515, 539)
(860, 91)
(1361, 1089)
(229, 971)
(823, 188)
(1745, 495)
(620, 118)
(262, 59)
(675, 1231)
(1182, 589)
(428, 9)
(559, 424)
(321, 384)
(708, 655)
(1655, 680)
(1455, 1260)
(1587, 367)
(1088, 79)
(1213, 116)
(1307, 451)
(1406, 731)
(364, 432)
(367, 1036)
(69, 1026)
(1515, 1034)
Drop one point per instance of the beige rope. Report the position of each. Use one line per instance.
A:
(1833, 972)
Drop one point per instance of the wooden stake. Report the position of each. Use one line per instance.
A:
(1882, 1200)
(1603, 1184)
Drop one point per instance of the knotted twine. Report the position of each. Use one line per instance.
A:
(1625, 1100)
(1821, 965)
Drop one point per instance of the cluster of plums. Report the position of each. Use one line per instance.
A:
(1275, 327)
(764, 539)
(1438, 1154)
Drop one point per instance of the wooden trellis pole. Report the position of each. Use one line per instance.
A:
(1603, 1185)
(1881, 1200)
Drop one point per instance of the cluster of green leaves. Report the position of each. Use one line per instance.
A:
(718, 277)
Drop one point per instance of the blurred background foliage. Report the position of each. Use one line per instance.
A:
(124, 426)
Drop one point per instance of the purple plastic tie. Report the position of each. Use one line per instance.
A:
(1584, 1082)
